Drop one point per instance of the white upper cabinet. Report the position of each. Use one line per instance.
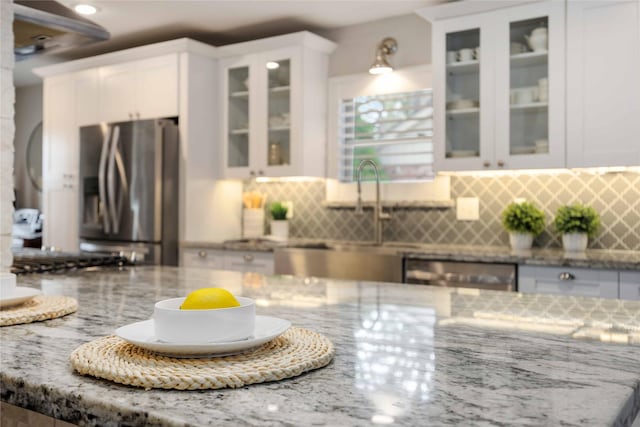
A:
(140, 89)
(87, 95)
(603, 84)
(498, 88)
(274, 107)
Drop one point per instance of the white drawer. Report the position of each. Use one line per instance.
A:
(630, 285)
(568, 281)
(248, 261)
(203, 258)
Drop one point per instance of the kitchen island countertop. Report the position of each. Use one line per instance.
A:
(591, 258)
(405, 354)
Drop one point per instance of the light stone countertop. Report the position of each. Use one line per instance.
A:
(407, 354)
(591, 258)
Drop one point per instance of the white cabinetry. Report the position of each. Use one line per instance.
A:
(60, 164)
(249, 261)
(603, 88)
(630, 285)
(137, 83)
(498, 98)
(245, 261)
(87, 96)
(274, 106)
(141, 89)
(568, 281)
(203, 258)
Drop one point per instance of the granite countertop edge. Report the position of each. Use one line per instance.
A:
(591, 258)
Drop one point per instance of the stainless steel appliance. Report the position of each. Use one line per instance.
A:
(340, 261)
(129, 190)
(31, 260)
(501, 277)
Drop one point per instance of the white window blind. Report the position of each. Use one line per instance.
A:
(394, 130)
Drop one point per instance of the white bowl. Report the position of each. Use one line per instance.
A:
(203, 326)
(7, 284)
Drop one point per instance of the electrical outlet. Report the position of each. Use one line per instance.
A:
(467, 209)
(289, 205)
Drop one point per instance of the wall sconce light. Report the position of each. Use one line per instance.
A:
(388, 46)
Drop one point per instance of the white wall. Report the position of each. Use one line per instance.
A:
(28, 114)
(357, 44)
(7, 96)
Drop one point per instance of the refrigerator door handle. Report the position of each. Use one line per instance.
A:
(124, 193)
(102, 176)
(111, 180)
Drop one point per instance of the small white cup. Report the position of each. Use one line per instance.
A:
(7, 284)
(476, 53)
(543, 90)
(465, 55)
(524, 95)
(452, 56)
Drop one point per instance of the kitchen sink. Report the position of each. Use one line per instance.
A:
(352, 261)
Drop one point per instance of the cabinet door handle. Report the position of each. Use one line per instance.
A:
(566, 276)
(131, 115)
(500, 163)
(486, 163)
(252, 173)
(260, 173)
(202, 254)
(248, 258)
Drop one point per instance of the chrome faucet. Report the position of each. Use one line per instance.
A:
(378, 215)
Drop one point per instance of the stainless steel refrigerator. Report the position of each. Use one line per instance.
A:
(129, 190)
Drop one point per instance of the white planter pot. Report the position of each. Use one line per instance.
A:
(575, 242)
(280, 228)
(520, 241)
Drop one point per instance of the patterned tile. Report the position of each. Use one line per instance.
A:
(616, 196)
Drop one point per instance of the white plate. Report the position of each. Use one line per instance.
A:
(18, 296)
(142, 335)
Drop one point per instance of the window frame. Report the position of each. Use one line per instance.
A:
(351, 86)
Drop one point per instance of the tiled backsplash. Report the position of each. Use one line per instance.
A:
(616, 196)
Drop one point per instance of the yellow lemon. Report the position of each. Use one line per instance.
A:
(208, 298)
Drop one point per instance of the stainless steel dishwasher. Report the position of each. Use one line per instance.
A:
(501, 277)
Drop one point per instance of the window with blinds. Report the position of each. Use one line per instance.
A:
(394, 130)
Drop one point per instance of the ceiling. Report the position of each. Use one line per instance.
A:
(217, 22)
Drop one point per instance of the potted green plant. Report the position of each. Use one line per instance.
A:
(577, 223)
(523, 221)
(279, 223)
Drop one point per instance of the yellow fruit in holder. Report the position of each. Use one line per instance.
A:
(209, 298)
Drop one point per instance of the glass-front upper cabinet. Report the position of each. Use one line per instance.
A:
(279, 112)
(462, 88)
(463, 94)
(238, 117)
(498, 95)
(274, 106)
(529, 78)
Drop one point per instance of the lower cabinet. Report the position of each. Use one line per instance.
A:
(245, 261)
(569, 281)
(248, 261)
(630, 285)
(202, 258)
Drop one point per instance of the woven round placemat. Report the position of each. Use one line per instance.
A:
(42, 307)
(291, 354)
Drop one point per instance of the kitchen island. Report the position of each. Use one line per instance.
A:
(405, 355)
